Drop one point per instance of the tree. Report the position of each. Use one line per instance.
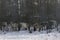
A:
(51, 11)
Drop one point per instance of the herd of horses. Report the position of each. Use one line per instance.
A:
(17, 26)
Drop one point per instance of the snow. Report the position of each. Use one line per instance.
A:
(25, 35)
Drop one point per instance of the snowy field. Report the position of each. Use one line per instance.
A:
(24, 35)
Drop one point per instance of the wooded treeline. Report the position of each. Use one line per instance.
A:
(28, 10)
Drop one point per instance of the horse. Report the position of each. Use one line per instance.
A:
(23, 26)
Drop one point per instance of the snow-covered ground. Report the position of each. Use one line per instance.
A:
(25, 35)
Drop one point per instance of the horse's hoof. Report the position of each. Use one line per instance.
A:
(30, 32)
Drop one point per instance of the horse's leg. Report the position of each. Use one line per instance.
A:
(56, 26)
(1, 28)
(42, 28)
(25, 28)
(49, 29)
(39, 29)
(29, 29)
(34, 28)
(19, 28)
